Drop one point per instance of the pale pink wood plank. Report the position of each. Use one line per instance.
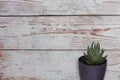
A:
(59, 32)
(50, 65)
(59, 7)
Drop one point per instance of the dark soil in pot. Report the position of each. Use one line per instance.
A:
(91, 72)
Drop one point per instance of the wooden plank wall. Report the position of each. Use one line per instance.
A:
(43, 39)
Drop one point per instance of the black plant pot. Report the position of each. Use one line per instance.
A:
(89, 72)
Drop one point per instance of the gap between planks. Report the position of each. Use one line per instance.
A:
(54, 49)
(58, 15)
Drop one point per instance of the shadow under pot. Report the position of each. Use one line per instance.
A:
(91, 72)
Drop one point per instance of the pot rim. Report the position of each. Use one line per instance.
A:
(91, 65)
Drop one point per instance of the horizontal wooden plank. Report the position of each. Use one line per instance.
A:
(49, 65)
(74, 32)
(59, 7)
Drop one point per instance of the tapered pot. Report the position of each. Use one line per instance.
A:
(88, 72)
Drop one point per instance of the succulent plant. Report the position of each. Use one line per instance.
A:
(94, 55)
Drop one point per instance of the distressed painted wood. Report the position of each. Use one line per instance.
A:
(33, 30)
(59, 7)
(50, 65)
(54, 32)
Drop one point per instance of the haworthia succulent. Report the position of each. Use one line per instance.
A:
(94, 55)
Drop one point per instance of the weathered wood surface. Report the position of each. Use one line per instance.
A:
(55, 32)
(59, 7)
(50, 65)
(24, 27)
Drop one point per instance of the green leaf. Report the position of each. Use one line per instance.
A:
(86, 61)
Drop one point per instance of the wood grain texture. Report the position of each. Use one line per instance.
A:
(37, 45)
(59, 7)
(49, 65)
(54, 32)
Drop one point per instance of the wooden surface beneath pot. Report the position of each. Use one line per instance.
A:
(50, 65)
